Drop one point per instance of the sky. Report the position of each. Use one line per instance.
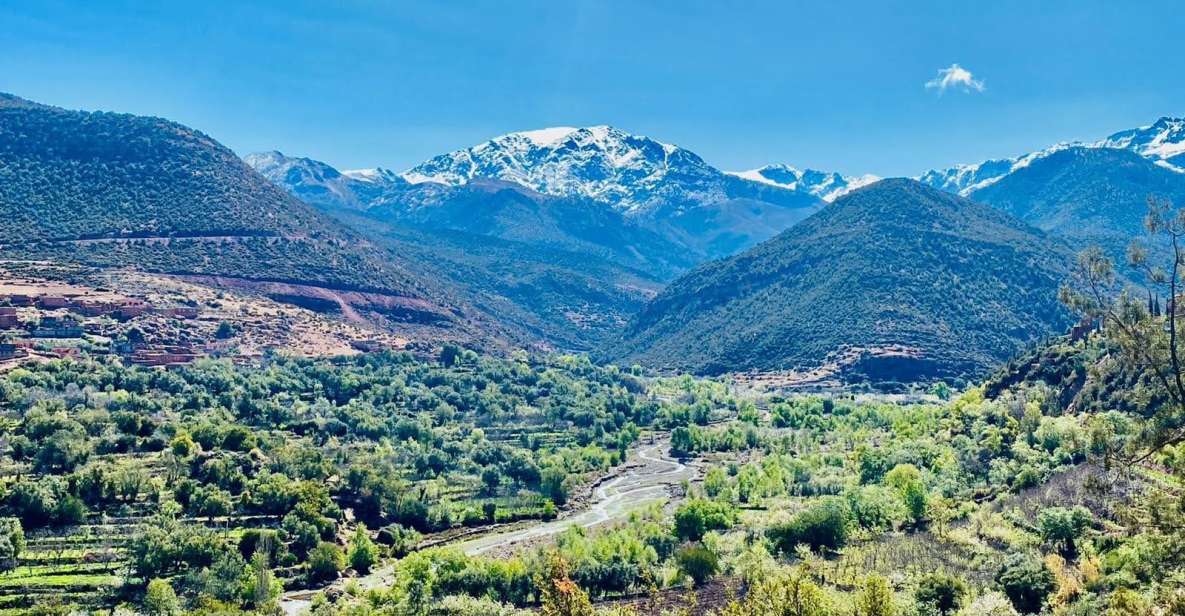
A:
(890, 88)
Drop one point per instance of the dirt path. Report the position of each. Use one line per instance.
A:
(650, 476)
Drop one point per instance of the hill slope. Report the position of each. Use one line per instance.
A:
(1087, 195)
(893, 281)
(114, 189)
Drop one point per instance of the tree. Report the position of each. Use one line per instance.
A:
(160, 599)
(1062, 527)
(1027, 582)
(363, 553)
(907, 481)
(183, 446)
(559, 594)
(1148, 343)
(697, 562)
(449, 355)
(262, 588)
(326, 561)
(783, 595)
(698, 516)
(225, 330)
(12, 543)
(875, 598)
(826, 524)
(941, 592)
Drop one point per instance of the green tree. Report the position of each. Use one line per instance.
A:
(940, 592)
(697, 562)
(697, 516)
(363, 553)
(1027, 582)
(12, 543)
(1148, 343)
(825, 524)
(160, 599)
(326, 561)
(907, 481)
(1062, 527)
(875, 597)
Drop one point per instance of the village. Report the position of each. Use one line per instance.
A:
(70, 324)
(157, 321)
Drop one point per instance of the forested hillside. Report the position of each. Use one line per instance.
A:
(1086, 195)
(915, 282)
(121, 190)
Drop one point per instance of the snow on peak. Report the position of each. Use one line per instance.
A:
(600, 162)
(547, 136)
(1161, 140)
(827, 186)
(373, 175)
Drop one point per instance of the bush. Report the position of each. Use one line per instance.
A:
(875, 598)
(326, 561)
(698, 562)
(826, 524)
(363, 552)
(698, 516)
(941, 592)
(160, 600)
(1027, 582)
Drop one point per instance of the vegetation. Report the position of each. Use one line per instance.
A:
(917, 284)
(225, 481)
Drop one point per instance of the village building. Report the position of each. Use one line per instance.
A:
(55, 327)
(9, 318)
(9, 351)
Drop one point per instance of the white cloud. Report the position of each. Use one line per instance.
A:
(955, 77)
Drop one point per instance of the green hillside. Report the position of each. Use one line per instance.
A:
(114, 189)
(895, 281)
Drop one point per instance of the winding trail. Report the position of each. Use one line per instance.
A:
(649, 477)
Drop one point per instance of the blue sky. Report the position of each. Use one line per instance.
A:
(833, 86)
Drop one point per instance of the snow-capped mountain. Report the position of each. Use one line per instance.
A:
(668, 190)
(965, 179)
(824, 185)
(1162, 141)
(321, 185)
(630, 172)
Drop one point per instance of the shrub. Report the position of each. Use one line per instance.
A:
(875, 598)
(160, 600)
(825, 524)
(698, 562)
(698, 516)
(941, 592)
(1026, 581)
(326, 561)
(363, 552)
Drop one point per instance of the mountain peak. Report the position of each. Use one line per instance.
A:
(600, 162)
(826, 185)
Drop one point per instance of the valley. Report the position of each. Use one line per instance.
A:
(577, 371)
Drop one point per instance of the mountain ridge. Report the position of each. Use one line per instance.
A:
(945, 285)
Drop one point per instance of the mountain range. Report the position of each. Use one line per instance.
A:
(1078, 193)
(597, 240)
(653, 185)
